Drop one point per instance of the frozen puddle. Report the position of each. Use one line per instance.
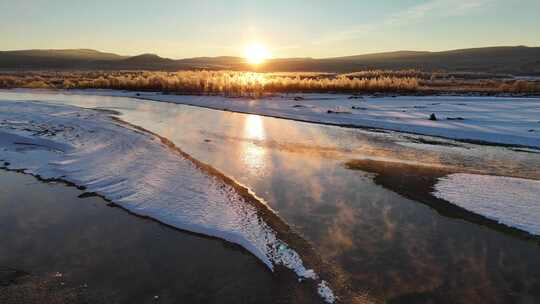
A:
(139, 172)
(511, 201)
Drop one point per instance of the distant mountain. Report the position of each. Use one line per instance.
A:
(54, 59)
(517, 60)
(384, 55)
(144, 61)
(84, 54)
(214, 63)
(147, 59)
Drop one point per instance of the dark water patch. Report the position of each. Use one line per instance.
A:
(118, 257)
(417, 182)
(9, 276)
(525, 151)
(429, 141)
(107, 111)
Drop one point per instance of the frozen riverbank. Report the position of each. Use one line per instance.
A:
(62, 246)
(496, 120)
(369, 233)
(141, 173)
(514, 202)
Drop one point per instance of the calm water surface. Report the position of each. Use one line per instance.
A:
(106, 255)
(389, 247)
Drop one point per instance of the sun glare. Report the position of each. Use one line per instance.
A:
(254, 128)
(256, 53)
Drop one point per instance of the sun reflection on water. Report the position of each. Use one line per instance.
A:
(254, 154)
(254, 128)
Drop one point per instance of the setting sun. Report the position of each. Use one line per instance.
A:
(256, 53)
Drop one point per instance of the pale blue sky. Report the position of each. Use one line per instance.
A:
(289, 28)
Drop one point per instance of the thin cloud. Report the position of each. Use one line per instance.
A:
(435, 8)
(412, 15)
(347, 34)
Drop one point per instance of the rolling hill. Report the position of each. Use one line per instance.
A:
(516, 60)
(54, 59)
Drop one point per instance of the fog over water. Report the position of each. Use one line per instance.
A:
(386, 245)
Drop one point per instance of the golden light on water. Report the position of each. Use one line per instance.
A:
(256, 53)
(254, 155)
(253, 128)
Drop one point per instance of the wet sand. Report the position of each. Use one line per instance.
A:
(60, 246)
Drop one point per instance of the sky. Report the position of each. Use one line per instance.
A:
(288, 28)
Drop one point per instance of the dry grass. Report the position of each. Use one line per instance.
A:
(390, 73)
(232, 83)
(210, 82)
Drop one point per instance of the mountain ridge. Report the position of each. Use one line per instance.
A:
(517, 60)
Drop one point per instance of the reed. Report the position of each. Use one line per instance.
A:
(212, 82)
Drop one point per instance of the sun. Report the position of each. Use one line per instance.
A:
(256, 53)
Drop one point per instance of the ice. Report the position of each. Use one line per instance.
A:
(137, 171)
(500, 120)
(510, 201)
(325, 292)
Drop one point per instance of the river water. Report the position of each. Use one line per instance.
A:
(389, 248)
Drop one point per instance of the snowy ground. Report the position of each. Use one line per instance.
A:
(137, 171)
(514, 202)
(501, 120)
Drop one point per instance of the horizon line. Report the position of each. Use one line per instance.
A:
(271, 58)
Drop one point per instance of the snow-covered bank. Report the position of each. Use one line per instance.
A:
(499, 120)
(514, 202)
(139, 172)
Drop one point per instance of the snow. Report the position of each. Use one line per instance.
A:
(325, 292)
(510, 201)
(500, 120)
(135, 170)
